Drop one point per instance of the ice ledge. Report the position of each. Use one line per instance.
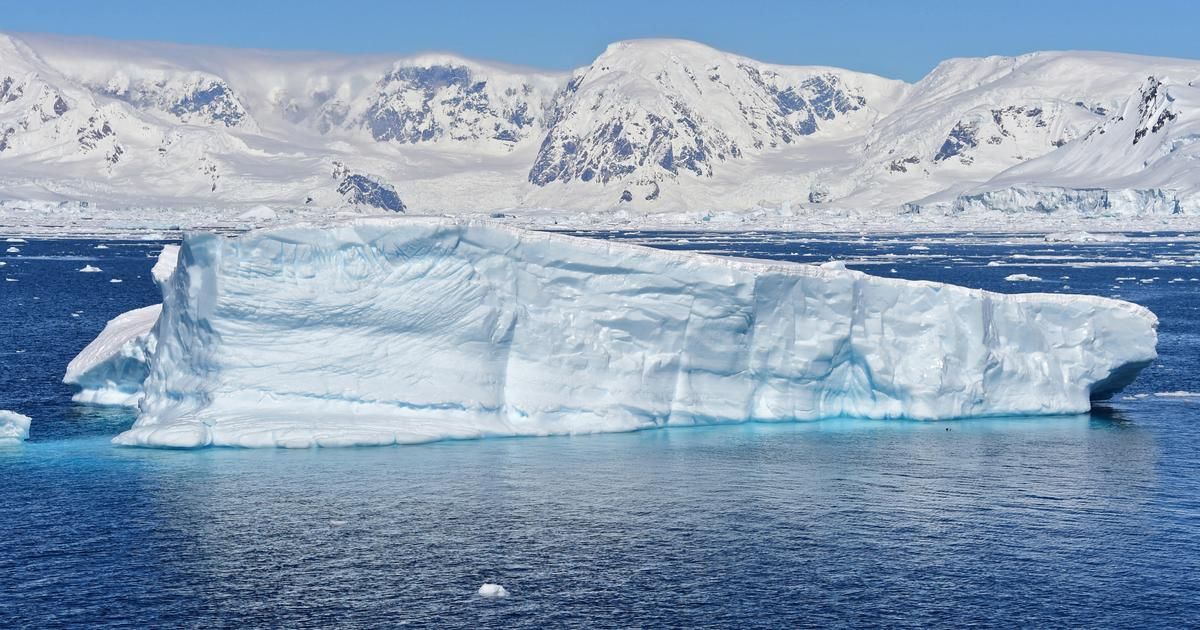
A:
(411, 329)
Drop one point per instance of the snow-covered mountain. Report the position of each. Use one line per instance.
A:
(651, 126)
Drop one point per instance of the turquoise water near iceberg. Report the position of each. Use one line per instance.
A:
(1086, 520)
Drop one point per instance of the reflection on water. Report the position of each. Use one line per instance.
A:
(795, 523)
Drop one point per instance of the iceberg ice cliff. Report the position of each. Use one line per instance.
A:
(401, 330)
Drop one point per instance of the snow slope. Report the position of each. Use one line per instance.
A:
(651, 128)
(1143, 158)
(399, 330)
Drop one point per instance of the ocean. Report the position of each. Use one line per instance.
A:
(1090, 520)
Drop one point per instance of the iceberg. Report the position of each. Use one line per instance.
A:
(492, 591)
(111, 369)
(395, 330)
(13, 426)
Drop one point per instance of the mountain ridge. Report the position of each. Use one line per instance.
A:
(650, 126)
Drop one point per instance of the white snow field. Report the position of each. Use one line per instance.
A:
(116, 137)
(13, 426)
(402, 330)
(110, 370)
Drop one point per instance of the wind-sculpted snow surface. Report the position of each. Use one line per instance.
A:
(382, 331)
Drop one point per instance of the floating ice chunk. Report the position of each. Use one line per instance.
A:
(402, 330)
(492, 591)
(13, 426)
(15, 240)
(1083, 237)
(1177, 394)
(110, 370)
(1022, 277)
(919, 248)
(994, 263)
(101, 246)
(90, 269)
(115, 280)
(13, 250)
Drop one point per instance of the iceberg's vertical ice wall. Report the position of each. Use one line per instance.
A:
(388, 330)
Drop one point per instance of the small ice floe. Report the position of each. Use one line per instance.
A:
(1179, 394)
(90, 269)
(1022, 277)
(2, 263)
(115, 280)
(101, 246)
(994, 263)
(10, 279)
(1083, 237)
(15, 427)
(13, 250)
(918, 248)
(337, 523)
(1148, 280)
(492, 591)
(15, 240)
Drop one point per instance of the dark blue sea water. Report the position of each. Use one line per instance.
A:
(1084, 521)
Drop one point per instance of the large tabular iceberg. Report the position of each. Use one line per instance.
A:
(398, 330)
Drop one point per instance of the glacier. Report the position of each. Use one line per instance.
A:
(376, 331)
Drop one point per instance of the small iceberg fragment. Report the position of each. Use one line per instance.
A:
(13, 426)
(101, 246)
(1022, 277)
(110, 370)
(13, 250)
(15, 240)
(90, 269)
(492, 591)
(115, 280)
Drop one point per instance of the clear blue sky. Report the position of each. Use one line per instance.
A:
(901, 39)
